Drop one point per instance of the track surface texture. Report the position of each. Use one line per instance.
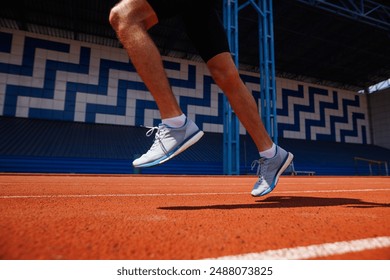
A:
(192, 217)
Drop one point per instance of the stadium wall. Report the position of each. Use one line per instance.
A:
(43, 77)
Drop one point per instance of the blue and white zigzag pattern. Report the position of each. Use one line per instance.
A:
(321, 114)
(60, 79)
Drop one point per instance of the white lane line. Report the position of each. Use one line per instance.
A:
(116, 195)
(177, 194)
(316, 251)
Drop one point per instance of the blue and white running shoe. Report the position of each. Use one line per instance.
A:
(169, 142)
(269, 170)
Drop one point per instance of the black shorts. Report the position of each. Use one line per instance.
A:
(201, 22)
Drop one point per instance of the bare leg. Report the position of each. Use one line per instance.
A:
(131, 19)
(225, 74)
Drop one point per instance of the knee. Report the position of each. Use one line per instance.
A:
(123, 14)
(225, 77)
(116, 16)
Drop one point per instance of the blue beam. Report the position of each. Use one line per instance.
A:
(231, 124)
(231, 8)
(366, 11)
(267, 68)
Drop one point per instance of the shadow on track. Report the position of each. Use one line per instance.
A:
(287, 202)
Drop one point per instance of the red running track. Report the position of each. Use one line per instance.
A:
(192, 217)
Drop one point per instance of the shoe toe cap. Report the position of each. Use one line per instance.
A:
(259, 190)
(136, 163)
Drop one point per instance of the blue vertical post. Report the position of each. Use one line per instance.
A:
(267, 67)
(231, 134)
(267, 64)
(231, 124)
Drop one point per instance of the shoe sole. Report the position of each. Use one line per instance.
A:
(284, 166)
(188, 143)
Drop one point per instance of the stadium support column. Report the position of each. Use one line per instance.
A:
(267, 67)
(231, 130)
(267, 107)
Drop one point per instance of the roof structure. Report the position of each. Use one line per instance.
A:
(311, 44)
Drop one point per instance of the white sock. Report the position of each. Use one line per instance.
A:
(270, 153)
(175, 121)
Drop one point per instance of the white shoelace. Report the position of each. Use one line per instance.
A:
(259, 167)
(160, 134)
